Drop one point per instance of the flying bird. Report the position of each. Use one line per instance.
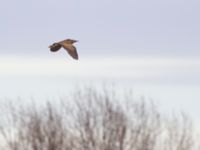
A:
(67, 45)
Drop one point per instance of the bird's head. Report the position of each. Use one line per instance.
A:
(54, 47)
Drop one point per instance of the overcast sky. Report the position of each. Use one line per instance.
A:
(128, 27)
(151, 45)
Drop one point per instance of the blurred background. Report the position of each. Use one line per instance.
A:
(151, 47)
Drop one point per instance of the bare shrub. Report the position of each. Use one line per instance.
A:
(95, 121)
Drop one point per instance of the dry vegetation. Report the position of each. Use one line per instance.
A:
(95, 121)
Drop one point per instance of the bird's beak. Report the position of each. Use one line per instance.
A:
(75, 41)
(49, 46)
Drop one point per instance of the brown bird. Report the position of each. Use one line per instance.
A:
(67, 45)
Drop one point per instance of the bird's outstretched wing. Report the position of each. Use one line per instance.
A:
(70, 49)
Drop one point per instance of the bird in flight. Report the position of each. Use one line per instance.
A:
(67, 45)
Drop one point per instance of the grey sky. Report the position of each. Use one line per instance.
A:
(128, 27)
(157, 30)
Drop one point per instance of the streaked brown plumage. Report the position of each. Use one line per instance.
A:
(67, 45)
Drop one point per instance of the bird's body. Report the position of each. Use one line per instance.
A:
(67, 45)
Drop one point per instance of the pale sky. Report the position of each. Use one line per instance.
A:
(128, 27)
(151, 45)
